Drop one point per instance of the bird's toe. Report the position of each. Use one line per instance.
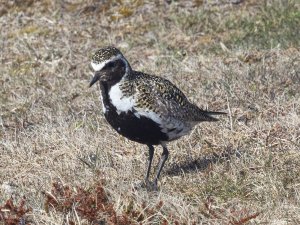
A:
(146, 184)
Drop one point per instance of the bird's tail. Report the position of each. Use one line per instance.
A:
(210, 114)
(204, 115)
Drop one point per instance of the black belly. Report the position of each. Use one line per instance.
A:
(142, 130)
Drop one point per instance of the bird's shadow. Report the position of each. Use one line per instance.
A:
(202, 163)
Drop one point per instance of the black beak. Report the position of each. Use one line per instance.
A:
(95, 79)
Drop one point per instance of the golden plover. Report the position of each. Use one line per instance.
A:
(143, 108)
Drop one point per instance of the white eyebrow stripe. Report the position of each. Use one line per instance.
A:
(99, 66)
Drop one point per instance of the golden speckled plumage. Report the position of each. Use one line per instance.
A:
(159, 95)
(105, 54)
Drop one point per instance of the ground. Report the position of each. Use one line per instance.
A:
(60, 156)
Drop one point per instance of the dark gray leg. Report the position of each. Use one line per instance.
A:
(163, 159)
(152, 186)
(151, 153)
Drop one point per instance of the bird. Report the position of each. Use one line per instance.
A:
(144, 108)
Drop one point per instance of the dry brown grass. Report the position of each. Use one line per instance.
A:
(242, 58)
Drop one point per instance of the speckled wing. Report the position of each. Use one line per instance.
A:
(164, 98)
(159, 95)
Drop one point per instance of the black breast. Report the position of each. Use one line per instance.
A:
(140, 129)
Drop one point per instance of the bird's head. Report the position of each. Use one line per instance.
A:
(109, 65)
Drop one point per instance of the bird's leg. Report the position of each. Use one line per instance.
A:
(163, 159)
(151, 153)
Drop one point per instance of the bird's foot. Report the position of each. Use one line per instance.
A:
(148, 185)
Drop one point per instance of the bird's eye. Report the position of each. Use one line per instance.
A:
(110, 65)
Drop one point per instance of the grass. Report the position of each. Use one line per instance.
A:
(59, 157)
(273, 26)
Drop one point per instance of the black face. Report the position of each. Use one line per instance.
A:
(111, 73)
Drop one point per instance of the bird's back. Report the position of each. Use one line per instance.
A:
(158, 95)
